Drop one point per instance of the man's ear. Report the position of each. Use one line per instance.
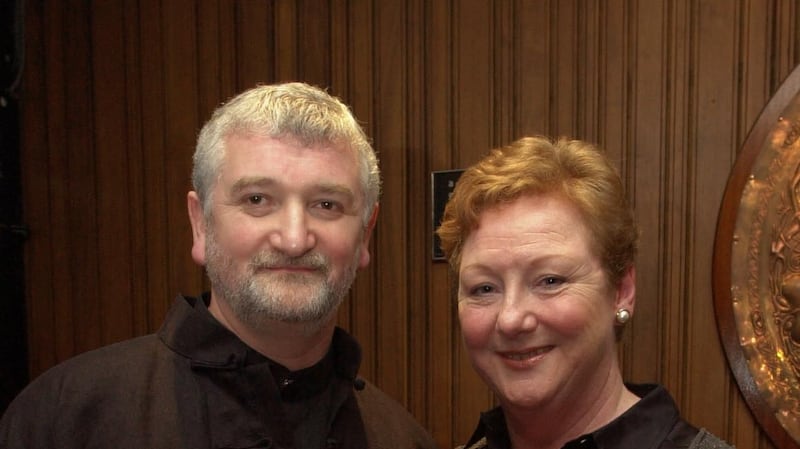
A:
(198, 221)
(626, 292)
(364, 258)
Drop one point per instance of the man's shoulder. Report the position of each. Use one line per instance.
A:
(97, 369)
(373, 398)
(388, 423)
(99, 386)
(107, 359)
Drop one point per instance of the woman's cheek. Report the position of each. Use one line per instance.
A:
(476, 326)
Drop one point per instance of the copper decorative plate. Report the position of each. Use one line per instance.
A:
(757, 267)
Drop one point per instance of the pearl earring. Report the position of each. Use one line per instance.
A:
(623, 315)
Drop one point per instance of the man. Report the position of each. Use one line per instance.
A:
(285, 198)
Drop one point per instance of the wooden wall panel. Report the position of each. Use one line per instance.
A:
(437, 70)
(712, 105)
(134, 174)
(79, 164)
(390, 138)
(181, 75)
(678, 56)
(532, 71)
(114, 94)
(418, 198)
(152, 140)
(645, 156)
(39, 258)
(113, 189)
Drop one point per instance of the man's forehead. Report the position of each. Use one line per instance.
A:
(310, 142)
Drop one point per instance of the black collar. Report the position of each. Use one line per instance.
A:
(649, 421)
(191, 331)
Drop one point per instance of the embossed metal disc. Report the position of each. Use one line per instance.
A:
(757, 267)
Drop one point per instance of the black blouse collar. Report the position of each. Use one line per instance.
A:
(648, 422)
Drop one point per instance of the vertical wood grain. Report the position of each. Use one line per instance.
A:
(360, 89)
(564, 63)
(256, 41)
(112, 186)
(644, 180)
(392, 260)
(532, 69)
(677, 83)
(155, 169)
(40, 259)
(180, 77)
(712, 107)
(80, 165)
(418, 324)
(313, 29)
(442, 344)
(285, 41)
(134, 174)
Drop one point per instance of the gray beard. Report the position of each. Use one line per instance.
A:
(257, 297)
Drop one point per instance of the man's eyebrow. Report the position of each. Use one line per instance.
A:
(335, 189)
(251, 181)
(266, 182)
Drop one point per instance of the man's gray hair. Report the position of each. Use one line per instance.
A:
(298, 111)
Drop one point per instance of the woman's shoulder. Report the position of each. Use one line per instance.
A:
(707, 440)
(480, 444)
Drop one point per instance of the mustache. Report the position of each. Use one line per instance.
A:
(275, 259)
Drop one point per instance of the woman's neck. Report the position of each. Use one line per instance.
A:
(567, 418)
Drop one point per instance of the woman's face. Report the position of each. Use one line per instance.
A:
(536, 310)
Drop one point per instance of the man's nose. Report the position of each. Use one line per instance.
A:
(292, 235)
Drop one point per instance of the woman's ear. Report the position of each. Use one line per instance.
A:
(626, 291)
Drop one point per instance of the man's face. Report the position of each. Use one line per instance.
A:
(285, 236)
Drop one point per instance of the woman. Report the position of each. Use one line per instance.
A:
(543, 242)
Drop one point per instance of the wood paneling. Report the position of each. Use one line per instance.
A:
(114, 93)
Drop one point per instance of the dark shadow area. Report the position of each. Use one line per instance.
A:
(13, 233)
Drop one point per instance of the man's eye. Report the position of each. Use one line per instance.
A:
(255, 199)
(328, 206)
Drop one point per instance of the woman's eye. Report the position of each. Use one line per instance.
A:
(482, 290)
(327, 205)
(552, 281)
(255, 199)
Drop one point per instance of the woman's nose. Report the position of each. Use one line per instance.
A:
(516, 315)
(292, 235)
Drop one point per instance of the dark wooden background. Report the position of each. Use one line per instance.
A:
(114, 92)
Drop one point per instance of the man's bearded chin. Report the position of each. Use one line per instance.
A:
(258, 298)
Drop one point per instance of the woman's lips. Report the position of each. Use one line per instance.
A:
(529, 354)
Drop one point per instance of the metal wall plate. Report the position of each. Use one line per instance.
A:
(442, 185)
(756, 268)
